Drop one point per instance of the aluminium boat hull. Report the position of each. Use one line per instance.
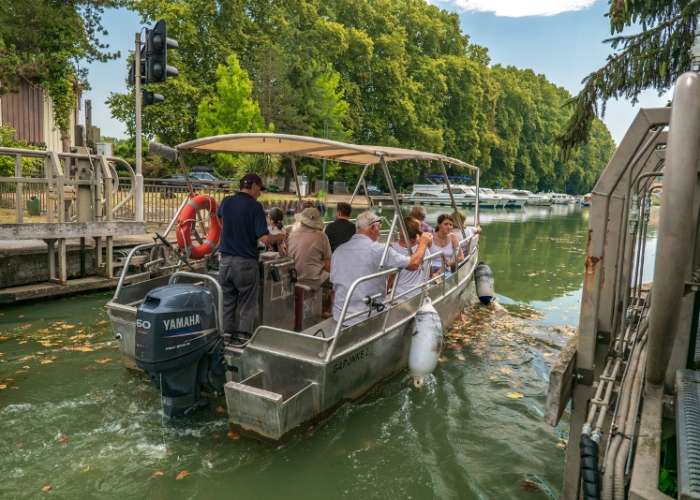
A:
(282, 380)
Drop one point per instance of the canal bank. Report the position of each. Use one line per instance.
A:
(75, 421)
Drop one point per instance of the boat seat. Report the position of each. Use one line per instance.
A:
(688, 433)
(324, 329)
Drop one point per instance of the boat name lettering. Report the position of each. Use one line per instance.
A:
(347, 361)
(181, 322)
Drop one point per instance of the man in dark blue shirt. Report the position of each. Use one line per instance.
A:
(244, 223)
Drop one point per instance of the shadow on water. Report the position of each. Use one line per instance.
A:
(74, 421)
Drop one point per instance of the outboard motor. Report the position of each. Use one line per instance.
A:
(483, 277)
(179, 346)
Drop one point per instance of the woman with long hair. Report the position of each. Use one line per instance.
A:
(446, 241)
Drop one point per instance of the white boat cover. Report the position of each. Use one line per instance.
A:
(310, 147)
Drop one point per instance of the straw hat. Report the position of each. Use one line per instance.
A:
(311, 217)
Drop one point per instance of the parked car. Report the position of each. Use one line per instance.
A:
(373, 190)
(199, 180)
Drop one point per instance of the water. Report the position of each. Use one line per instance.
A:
(75, 423)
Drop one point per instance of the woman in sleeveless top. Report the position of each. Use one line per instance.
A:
(445, 241)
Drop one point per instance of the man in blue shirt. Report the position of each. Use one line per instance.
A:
(244, 223)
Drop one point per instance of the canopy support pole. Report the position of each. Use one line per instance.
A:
(359, 181)
(460, 222)
(296, 181)
(397, 207)
(476, 204)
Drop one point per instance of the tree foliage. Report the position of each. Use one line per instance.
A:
(389, 72)
(653, 58)
(42, 41)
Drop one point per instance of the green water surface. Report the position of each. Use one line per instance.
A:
(75, 423)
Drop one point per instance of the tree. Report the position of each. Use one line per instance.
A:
(651, 59)
(42, 41)
(229, 110)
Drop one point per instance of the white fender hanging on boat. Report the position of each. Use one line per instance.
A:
(483, 276)
(426, 343)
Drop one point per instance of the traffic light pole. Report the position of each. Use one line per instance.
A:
(138, 178)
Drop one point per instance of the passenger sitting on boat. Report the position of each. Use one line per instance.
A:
(459, 219)
(418, 213)
(275, 225)
(310, 249)
(445, 241)
(361, 256)
(341, 229)
(411, 279)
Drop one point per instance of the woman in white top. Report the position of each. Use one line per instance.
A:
(445, 241)
(411, 279)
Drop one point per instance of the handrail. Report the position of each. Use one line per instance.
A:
(125, 268)
(351, 291)
(217, 286)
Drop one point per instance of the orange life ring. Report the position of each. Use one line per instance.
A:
(186, 222)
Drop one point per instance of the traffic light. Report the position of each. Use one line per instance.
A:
(151, 98)
(157, 45)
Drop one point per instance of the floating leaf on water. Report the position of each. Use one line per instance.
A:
(87, 468)
(62, 439)
(19, 372)
(3, 386)
(101, 322)
(24, 326)
(103, 361)
(182, 475)
(220, 410)
(26, 358)
(67, 326)
(158, 473)
(46, 361)
(529, 486)
(46, 488)
(22, 342)
(515, 395)
(561, 444)
(233, 436)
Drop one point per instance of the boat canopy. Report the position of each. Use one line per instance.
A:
(311, 147)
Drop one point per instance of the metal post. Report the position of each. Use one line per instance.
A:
(19, 194)
(452, 199)
(138, 177)
(675, 240)
(395, 198)
(296, 181)
(476, 204)
(359, 182)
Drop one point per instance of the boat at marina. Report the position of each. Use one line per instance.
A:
(297, 366)
(559, 198)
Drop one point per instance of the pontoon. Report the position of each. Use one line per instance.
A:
(297, 366)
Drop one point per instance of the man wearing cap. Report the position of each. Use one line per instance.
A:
(309, 247)
(244, 223)
(361, 256)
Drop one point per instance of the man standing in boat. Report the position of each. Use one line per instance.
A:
(361, 256)
(244, 224)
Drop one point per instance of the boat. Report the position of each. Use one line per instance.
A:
(539, 200)
(297, 366)
(439, 194)
(560, 198)
(489, 199)
(515, 198)
(630, 377)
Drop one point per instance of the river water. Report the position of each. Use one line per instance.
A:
(75, 424)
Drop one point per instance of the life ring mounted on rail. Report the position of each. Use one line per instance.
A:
(186, 225)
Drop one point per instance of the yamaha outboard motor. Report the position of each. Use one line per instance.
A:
(483, 277)
(179, 346)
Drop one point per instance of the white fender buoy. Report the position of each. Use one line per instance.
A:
(483, 277)
(426, 343)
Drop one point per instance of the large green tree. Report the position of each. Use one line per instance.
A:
(390, 72)
(653, 58)
(42, 42)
